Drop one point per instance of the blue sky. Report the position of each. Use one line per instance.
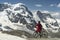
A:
(50, 5)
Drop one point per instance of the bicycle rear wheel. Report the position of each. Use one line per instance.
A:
(35, 34)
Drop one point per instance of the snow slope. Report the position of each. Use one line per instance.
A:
(58, 20)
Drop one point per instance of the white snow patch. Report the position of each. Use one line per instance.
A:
(50, 20)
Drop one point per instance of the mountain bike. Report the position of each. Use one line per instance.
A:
(43, 33)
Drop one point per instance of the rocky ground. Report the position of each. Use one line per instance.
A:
(27, 35)
(43, 38)
(23, 34)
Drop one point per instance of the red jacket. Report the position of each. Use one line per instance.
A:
(38, 27)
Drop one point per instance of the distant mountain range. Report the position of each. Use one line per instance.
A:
(19, 17)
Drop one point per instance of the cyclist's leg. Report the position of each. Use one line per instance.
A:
(40, 34)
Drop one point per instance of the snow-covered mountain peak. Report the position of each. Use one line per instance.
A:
(16, 12)
(50, 22)
(18, 8)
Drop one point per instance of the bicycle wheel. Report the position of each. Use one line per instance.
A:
(44, 33)
(35, 34)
